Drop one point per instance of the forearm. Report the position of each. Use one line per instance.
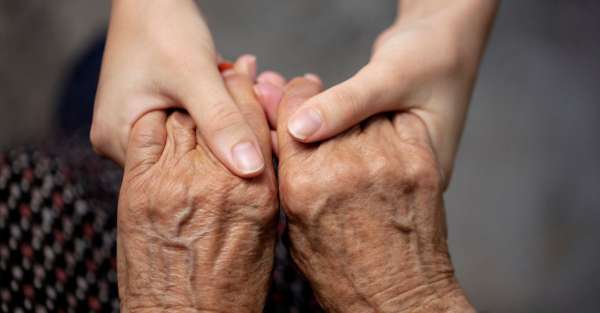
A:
(165, 23)
(468, 21)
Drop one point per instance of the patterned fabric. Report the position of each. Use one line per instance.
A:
(58, 232)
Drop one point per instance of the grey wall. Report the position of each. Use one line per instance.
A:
(524, 205)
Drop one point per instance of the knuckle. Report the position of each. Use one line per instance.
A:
(145, 138)
(180, 121)
(244, 200)
(305, 193)
(381, 167)
(421, 173)
(346, 177)
(416, 170)
(262, 199)
(426, 174)
(297, 192)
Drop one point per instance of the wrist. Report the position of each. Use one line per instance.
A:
(411, 9)
(160, 309)
(444, 296)
(149, 13)
(462, 25)
(446, 300)
(145, 5)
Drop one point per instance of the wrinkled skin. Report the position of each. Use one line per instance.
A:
(425, 63)
(192, 236)
(366, 216)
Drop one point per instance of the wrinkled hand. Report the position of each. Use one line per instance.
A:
(192, 236)
(365, 214)
(160, 55)
(425, 63)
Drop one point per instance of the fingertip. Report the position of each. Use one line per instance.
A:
(149, 128)
(269, 97)
(246, 64)
(305, 123)
(290, 135)
(303, 87)
(247, 159)
(147, 139)
(313, 77)
(182, 120)
(273, 78)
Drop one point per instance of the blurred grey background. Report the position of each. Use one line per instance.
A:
(524, 205)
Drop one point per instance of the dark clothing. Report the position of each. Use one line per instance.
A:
(58, 238)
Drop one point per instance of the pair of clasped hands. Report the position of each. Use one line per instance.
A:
(362, 166)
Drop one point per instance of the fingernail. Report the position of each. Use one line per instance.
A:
(312, 77)
(248, 63)
(246, 158)
(223, 66)
(305, 123)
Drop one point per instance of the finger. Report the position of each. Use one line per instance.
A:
(269, 97)
(181, 133)
(274, 143)
(343, 106)
(295, 94)
(146, 141)
(273, 78)
(240, 86)
(444, 126)
(247, 64)
(220, 122)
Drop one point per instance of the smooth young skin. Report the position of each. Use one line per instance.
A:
(366, 215)
(192, 236)
(425, 63)
(160, 55)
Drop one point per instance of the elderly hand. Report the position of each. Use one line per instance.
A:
(192, 236)
(425, 63)
(366, 216)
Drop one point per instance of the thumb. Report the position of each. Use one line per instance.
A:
(146, 141)
(372, 90)
(296, 93)
(219, 120)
